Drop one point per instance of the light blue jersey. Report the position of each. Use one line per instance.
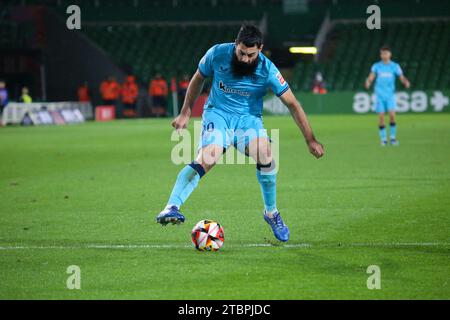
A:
(386, 74)
(232, 114)
(236, 95)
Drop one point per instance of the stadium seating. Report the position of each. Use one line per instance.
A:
(12, 34)
(168, 49)
(421, 47)
(161, 10)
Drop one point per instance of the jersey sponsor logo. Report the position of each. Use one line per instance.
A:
(280, 78)
(385, 74)
(226, 89)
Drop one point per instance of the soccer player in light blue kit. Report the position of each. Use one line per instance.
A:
(385, 72)
(241, 75)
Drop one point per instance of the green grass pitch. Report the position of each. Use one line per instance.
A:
(87, 195)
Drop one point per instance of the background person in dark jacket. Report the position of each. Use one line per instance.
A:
(3, 96)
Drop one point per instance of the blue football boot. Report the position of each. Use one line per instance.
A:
(280, 230)
(170, 215)
(394, 142)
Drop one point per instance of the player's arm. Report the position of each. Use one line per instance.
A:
(369, 80)
(302, 122)
(399, 72)
(405, 81)
(194, 89)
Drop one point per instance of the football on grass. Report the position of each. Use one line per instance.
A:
(208, 235)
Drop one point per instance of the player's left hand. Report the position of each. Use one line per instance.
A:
(407, 85)
(316, 149)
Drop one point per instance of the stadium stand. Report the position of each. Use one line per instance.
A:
(12, 34)
(144, 37)
(167, 49)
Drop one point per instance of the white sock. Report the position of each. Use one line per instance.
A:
(270, 213)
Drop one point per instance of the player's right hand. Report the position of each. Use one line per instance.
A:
(180, 122)
(316, 149)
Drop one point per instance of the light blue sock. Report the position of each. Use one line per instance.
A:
(267, 178)
(393, 130)
(187, 181)
(383, 133)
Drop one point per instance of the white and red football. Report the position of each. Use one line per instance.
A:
(208, 235)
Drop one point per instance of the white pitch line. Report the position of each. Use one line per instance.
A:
(251, 245)
(95, 246)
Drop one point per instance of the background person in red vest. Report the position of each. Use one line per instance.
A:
(130, 93)
(110, 91)
(84, 94)
(158, 91)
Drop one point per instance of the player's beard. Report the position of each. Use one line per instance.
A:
(242, 69)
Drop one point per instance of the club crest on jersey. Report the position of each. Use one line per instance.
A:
(280, 78)
(254, 78)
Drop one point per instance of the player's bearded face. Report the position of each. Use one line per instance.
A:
(241, 68)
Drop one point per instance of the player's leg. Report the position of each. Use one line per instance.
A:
(382, 129)
(393, 128)
(211, 146)
(257, 146)
(187, 180)
(191, 174)
(392, 123)
(380, 109)
(259, 149)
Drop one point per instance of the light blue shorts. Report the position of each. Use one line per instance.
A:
(224, 129)
(385, 104)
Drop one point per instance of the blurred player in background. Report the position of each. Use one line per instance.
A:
(385, 71)
(241, 75)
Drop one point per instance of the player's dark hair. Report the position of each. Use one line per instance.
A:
(385, 48)
(250, 36)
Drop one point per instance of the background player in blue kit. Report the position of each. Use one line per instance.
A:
(385, 72)
(241, 75)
